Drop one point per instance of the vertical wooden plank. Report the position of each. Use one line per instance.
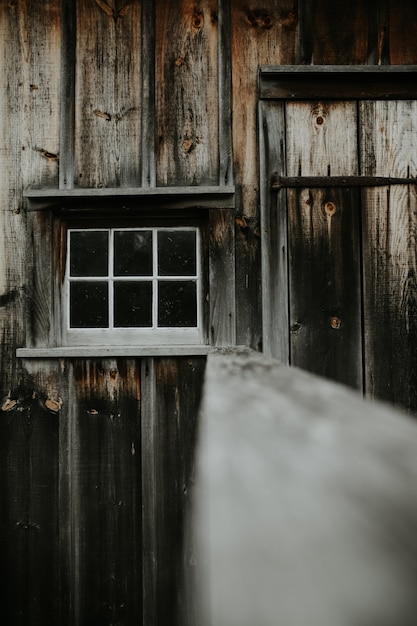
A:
(388, 145)
(29, 501)
(108, 98)
(148, 94)
(29, 138)
(67, 117)
(225, 93)
(178, 384)
(105, 492)
(187, 133)
(222, 330)
(401, 30)
(275, 323)
(149, 492)
(340, 32)
(325, 282)
(261, 34)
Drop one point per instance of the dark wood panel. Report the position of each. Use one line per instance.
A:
(401, 30)
(29, 511)
(178, 391)
(340, 32)
(103, 516)
(325, 284)
(108, 94)
(187, 135)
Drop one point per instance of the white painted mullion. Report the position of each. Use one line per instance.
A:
(198, 279)
(155, 278)
(111, 278)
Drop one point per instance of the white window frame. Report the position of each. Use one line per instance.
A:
(148, 336)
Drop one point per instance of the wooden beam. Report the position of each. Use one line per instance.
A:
(165, 197)
(305, 500)
(346, 82)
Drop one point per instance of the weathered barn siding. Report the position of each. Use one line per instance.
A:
(96, 455)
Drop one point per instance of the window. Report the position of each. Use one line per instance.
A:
(127, 285)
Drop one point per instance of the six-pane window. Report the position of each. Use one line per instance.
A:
(133, 282)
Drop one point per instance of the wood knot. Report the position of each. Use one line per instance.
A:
(188, 145)
(330, 208)
(290, 20)
(8, 404)
(259, 19)
(53, 406)
(335, 323)
(197, 20)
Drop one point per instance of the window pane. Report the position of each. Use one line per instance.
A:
(89, 304)
(89, 253)
(132, 304)
(177, 253)
(133, 253)
(177, 303)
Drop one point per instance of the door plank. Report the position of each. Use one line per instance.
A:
(324, 258)
(389, 147)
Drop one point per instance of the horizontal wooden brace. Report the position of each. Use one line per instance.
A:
(280, 182)
(85, 199)
(338, 82)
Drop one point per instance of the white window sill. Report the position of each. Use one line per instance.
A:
(113, 351)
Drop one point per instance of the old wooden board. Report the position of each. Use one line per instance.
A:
(101, 501)
(274, 225)
(171, 392)
(29, 548)
(29, 103)
(388, 146)
(306, 506)
(262, 33)
(399, 30)
(108, 95)
(336, 32)
(324, 250)
(187, 138)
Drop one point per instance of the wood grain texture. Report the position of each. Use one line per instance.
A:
(108, 94)
(187, 131)
(179, 388)
(29, 500)
(306, 500)
(324, 243)
(29, 137)
(274, 225)
(101, 477)
(262, 33)
(340, 32)
(400, 30)
(390, 264)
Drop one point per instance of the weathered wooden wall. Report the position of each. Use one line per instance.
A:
(109, 93)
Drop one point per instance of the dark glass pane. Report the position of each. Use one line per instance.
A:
(89, 253)
(177, 303)
(176, 253)
(89, 304)
(133, 253)
(132, 304)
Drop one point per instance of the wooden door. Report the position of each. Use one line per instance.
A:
(347, 286)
